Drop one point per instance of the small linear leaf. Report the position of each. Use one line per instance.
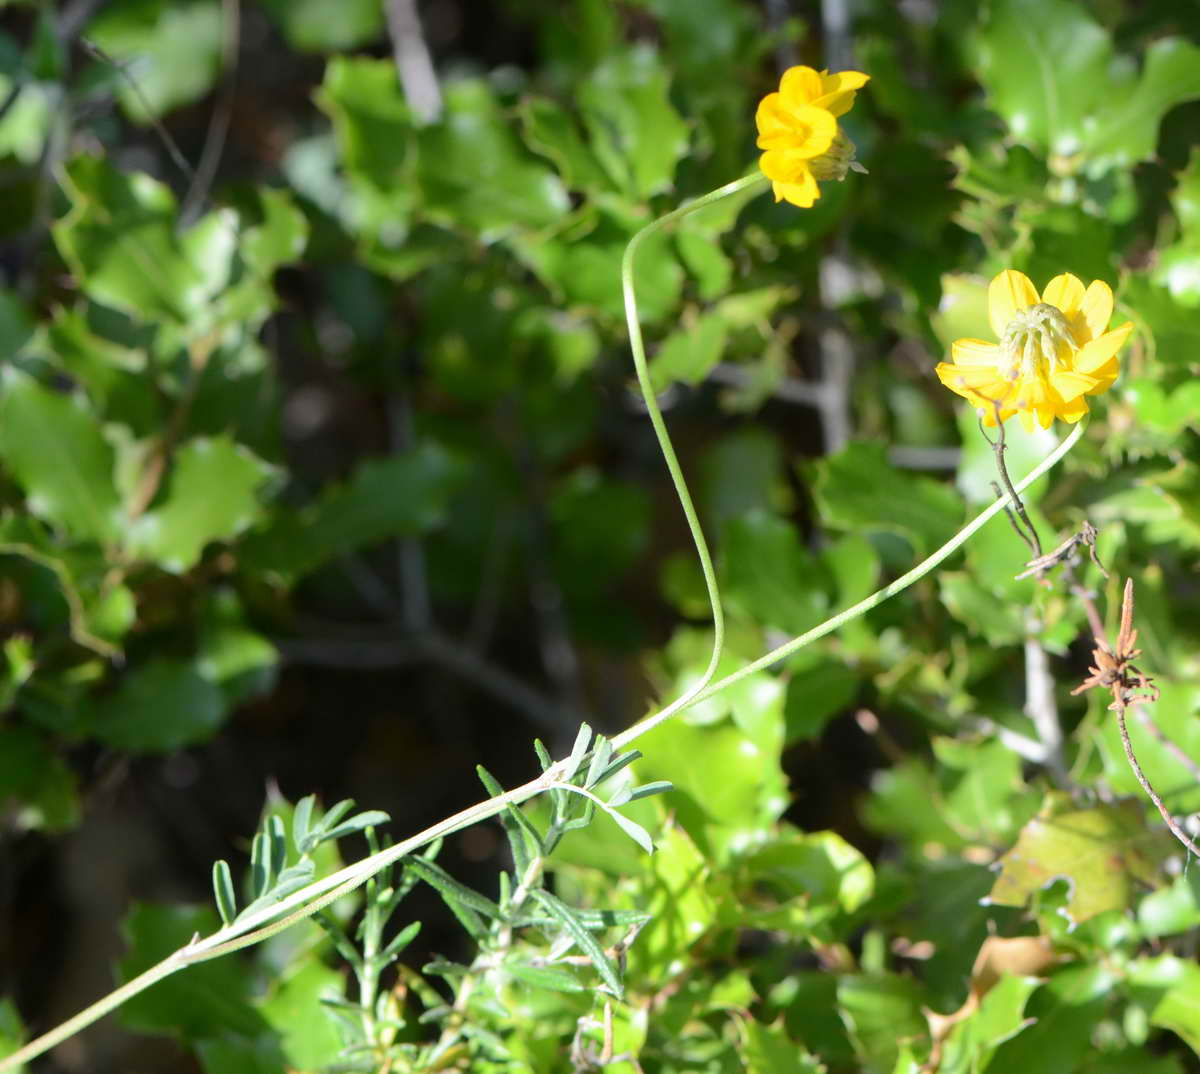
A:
(586, 942)
(301, 819)
(555, 980)
(582, 739)
(543, 755)
(464, 903)
(616, 765)
(632, 829)
(223, 891)
(260, 866)
(517, 826)
(370, 818)
(601, 756)
(277, 844)
(659, 786)
(400, 941)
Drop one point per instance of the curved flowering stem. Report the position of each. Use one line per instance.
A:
(638, 347)
(250, 929)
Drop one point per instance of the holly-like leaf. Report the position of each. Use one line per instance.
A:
(52, 444)
(1106, 854)
(159, 706)
(212, 496)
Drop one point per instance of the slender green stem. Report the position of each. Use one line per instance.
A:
(309, 900)
(638, 347)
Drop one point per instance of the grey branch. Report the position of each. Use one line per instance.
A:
(413, 62)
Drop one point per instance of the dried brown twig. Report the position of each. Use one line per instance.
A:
(1114, 670)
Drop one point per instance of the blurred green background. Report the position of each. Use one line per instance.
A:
(321, 469)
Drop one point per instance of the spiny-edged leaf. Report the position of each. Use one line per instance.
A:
(454, 893)
(223, 891)
(1106, 853)
(121, 241)
(159, 705)
(634, 130)
(586, 942)
(548, 977)
(399, 496)
(52, 445)
(212, 496)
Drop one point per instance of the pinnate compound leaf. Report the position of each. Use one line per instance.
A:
(1106, 853)
(52, 444)
(212, 496)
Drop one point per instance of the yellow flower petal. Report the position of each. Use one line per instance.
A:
(803, 191)
(1008, 293)
(1072, 412)
(1096, 354)
(837, 91)
(1070, 385)
(974, 352)
(1097, 308)
(800, 86)
(1066, 292)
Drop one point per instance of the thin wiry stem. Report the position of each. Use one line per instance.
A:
(302, 904)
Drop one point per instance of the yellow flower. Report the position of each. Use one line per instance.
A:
(798, 129)
(1053, 351)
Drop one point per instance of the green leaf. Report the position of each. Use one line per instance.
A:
(475, 174)
(12, 1032)
(52, 445)
(229, 653)
(1001, 1016)
(880, 1011)
(547, 977)
(859, 491)
(549, 129)
(1176, 983)
(689, 353)
(171, 50)
(769, 1050)
(584, 940)
(317, 26)
(1050, 70)
(1066, 1011)
(120, 240)
(1105, 853)
(212, 496)
(37, 788)
(769, 576)
(308, 1035)
(398, 496)
(635, 132)
(158, 706)
(223, 893)
(208, 999)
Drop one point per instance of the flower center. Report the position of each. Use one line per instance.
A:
(1035, 342)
